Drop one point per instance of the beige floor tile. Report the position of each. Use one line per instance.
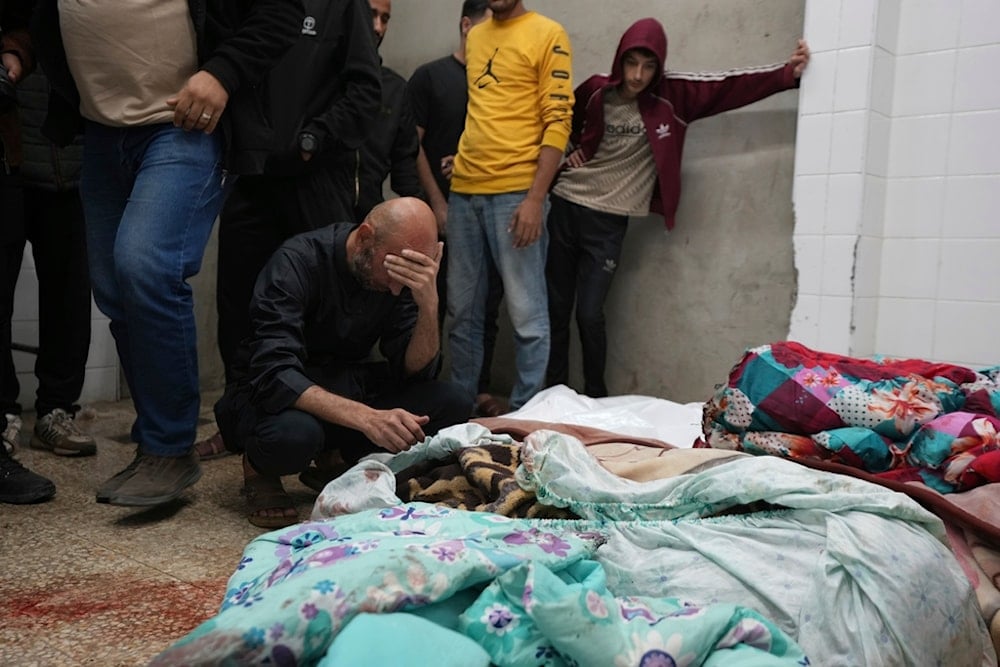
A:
(93, 584)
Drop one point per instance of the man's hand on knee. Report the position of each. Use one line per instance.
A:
(395, 430)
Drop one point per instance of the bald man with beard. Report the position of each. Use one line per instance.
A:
(309, 388)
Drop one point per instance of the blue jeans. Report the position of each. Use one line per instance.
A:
(477, 228)
(151, 195)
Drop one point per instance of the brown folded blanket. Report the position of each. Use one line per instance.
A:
(477, 478)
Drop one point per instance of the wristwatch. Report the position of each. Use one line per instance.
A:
(308, 143)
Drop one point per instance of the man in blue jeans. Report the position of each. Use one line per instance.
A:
(520, 87)
(152, 185)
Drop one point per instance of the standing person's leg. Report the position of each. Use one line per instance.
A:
(560, 278)
(467, 289)
(11, 253)
(488, 405)
(323, 197)
(442, 285)
(249, 232)
(57, 233)
(151, 195)
(523, 273)
(18, 485)
(601, 236)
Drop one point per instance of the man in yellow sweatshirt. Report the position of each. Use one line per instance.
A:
(519, 74)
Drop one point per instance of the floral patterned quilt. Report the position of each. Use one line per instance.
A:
(901, 419)
(668, 572)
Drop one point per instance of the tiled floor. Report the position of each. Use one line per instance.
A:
(89, 584)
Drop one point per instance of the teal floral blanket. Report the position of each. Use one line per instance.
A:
(528, 593)
(679, 571)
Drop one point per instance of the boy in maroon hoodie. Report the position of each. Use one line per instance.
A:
(628, 135)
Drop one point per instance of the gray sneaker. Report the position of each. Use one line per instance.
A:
(57, 432)
(106, 490)
(12, 433)
(152, 480)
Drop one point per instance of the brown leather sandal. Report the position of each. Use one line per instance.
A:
(211, 447)
(264, 493)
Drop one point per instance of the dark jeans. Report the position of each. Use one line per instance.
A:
(491, 327)
(53, 223)
(260, 214)
(287, 442)
(584, 249)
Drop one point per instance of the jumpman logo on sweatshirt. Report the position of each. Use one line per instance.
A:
(488, 71)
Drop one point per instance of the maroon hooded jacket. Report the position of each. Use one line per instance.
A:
(669, 104)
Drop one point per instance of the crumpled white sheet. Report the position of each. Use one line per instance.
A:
(678, 424)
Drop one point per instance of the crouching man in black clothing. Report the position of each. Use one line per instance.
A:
(309, 385)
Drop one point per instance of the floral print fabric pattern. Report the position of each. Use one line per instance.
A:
(907, 420)
(296, 588)
(533, 616)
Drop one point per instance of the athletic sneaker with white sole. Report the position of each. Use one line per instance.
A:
(12, 432)
(57, 432)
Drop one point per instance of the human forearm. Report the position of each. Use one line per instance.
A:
(418, 272)
(333, 408)
(425, 342)
(393, 430)
(435, 198)
(549, 159)
(526, 225)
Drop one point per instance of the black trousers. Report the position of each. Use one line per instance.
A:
(287, 442)
(261, 213)
(53, 223)
(584, 249)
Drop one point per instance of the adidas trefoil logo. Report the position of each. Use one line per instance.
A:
(663, 131)
(609, 266)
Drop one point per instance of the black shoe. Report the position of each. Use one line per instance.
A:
(20, 486)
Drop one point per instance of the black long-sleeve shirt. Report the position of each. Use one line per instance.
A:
(309, 314)
(390, 150)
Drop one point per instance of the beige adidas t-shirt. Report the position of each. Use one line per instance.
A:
(127, 58)
(620, 177)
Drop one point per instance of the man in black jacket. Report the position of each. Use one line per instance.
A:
(317, 102)
(310, 386)
(51, 218)
(392, 147)
(152, 184)
(17, 483)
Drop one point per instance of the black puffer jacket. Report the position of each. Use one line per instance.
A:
(238, 42)
(44, 165)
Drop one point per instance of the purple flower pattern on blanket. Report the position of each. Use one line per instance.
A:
(289, 608)
(548, 542)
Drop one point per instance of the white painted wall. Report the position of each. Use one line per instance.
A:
(897, 180)
(101, 381)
